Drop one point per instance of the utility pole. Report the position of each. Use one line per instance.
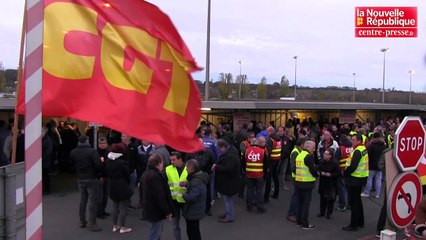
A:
(295, 76)
(207, 80)
(353, 92)
(384, 50)
(241, 80)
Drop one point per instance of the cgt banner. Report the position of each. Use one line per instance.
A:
(421, 169)
(386, 22)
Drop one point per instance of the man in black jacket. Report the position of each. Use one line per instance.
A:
(227, 181)
(4, 132)
(88, 168)
(274, 148)
(47, 155)
(145, 150)
(287, 146)
(228, 136)
(205, 159)
(104, 181)
(131, 156)
(375, 149)
(194, 208)
(157, 198)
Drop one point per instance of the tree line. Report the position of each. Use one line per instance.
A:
(8, 79)
(230, 87)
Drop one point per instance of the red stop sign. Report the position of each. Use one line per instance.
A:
(409, 143)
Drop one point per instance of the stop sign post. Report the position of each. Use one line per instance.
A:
(409, 143)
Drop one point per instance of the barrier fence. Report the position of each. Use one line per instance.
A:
(12, 202)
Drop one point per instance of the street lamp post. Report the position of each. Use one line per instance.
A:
(411, 72)
(206, 84)
(295, 76)
(384, 50)
(241, 80)
(353, 92)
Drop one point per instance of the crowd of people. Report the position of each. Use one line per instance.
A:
(256, 163)
(6, 143)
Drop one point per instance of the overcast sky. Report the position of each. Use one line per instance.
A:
(265, 35)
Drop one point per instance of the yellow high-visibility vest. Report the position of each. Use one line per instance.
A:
(364, 139)
(276, 150)
(295, 149)
(254, 161)
(343, 162)
(362, 169)
(173, 180)
(302, 171)
(390, 141)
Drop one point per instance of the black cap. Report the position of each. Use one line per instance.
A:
(83, 139)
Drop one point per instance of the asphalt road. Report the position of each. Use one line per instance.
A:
(60, 220)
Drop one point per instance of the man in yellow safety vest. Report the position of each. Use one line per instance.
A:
(356, 174)
(176, 175)
(291, 214)
(306, 175)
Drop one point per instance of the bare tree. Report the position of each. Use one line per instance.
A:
(2, 78)
(284, 87)
(242, 79)
(262, 89)
(225, 85)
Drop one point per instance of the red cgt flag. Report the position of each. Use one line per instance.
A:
(120, 63)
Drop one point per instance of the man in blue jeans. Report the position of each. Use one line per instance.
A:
(228, 178)
(375, 149)
(131, 156)
(88, 168)
(342, 155)
(157, 198)
(291, 214)
(306, 175)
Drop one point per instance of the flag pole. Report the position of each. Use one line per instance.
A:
(33, 71)
(18, 90)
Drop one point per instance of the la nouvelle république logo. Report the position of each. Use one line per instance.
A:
(386, 22)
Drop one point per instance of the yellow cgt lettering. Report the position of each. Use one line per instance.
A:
(178, 96)
(60, 18)
(114, 41)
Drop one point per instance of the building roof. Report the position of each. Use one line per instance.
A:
(288, 105)
(7, 103)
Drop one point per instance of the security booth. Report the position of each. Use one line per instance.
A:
(7, 108)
